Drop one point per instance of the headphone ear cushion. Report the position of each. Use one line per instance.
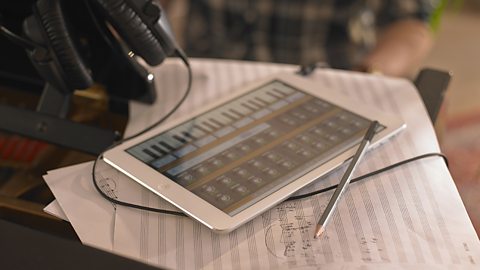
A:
(134, 30)
(50, 15)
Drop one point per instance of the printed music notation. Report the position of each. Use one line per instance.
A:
(292, 238)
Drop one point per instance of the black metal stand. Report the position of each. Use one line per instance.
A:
(123, 78)
(49, 123)
(432, 85)
(109, 64)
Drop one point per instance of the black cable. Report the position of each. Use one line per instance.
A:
(303, 196)
(384, 169)
(18, 40)
(184, 59)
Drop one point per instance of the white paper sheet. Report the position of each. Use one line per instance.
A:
(91, 216)
(410, 217)
(56, 210)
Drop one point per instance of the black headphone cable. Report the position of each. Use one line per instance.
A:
(179, 52)
(184, 59)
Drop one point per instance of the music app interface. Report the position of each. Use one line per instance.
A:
(241, 151)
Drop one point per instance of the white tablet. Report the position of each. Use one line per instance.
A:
(231, 161)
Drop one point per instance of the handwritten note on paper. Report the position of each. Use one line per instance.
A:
(407, 217)
(72, 187)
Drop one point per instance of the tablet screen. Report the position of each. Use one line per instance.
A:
(245, 149)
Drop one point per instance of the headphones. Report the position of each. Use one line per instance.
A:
(64, 59)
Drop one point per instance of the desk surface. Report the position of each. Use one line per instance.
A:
(410, 217)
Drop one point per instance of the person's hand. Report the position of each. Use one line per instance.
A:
(400, 48)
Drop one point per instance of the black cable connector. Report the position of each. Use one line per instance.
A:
(306, 70)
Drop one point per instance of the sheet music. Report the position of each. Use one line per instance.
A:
(406, 218)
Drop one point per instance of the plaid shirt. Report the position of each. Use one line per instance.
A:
(338, 32)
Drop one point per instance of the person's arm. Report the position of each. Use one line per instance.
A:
(165, 3)
(400, 48)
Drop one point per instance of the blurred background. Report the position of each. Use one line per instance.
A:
(457, 50)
